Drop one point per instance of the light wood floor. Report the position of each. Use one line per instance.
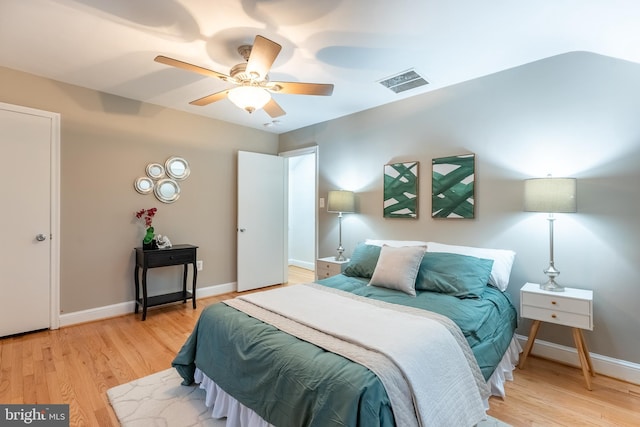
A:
(77, 364)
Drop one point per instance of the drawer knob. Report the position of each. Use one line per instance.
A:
(553, 303)
(553, 316)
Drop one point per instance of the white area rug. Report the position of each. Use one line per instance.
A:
(160, 401)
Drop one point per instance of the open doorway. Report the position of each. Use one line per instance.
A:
(302, 218)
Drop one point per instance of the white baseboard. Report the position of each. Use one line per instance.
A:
(100, 313)
(605, 365)
(302, 264)
(211, 291)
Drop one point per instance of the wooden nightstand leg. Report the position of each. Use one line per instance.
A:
(532, 338)
(583, 354)
(586, 353)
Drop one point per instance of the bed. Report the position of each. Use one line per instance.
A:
(413, 333)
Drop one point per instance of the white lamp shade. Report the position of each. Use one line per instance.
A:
(249, 98)
(550, 195)
(341, 201)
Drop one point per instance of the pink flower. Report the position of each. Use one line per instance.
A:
(148, 215)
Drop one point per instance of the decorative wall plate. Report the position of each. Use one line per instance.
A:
(177, 168)
(143, 185)
(167, 190)
(155, 171)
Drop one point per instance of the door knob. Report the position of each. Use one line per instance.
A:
(41, 237)
(242, 230)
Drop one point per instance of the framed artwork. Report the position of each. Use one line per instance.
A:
(401, 190)
(453, 187)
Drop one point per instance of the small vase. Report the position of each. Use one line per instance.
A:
(151, 245)
(149, 241)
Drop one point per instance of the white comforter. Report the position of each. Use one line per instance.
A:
(415, 353)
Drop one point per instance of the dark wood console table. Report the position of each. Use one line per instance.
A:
(151, 258)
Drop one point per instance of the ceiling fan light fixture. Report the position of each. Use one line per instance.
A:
(252, 78)
(249, 98)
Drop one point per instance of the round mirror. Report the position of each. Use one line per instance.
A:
(155, 170)
(143, 185)
(167, 190)
(177, 168)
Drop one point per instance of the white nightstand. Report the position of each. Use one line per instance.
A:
(573, 307)
(327, 267)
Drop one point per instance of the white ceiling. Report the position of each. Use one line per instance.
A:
(109, 45)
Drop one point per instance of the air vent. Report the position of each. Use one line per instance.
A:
(406, 80)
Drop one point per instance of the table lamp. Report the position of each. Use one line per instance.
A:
(340, 201)
(550, 195)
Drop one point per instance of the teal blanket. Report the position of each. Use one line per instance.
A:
(290, 382)
(286, 381)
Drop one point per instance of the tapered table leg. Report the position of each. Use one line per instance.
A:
(532, 338)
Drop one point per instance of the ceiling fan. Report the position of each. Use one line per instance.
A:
(253, 89)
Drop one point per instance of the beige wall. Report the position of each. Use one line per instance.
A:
(574, 115)
(106, 142)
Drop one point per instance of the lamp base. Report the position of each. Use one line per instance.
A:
(340, 257)
(552, 286)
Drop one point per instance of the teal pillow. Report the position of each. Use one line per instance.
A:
(363, 261)
(453, 274)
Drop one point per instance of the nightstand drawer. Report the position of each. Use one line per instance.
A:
(558, 303)
(327, 267)
(173, 257)
(323, 274)
(582, 321)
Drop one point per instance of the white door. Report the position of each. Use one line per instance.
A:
(28, 143)
(262, 219)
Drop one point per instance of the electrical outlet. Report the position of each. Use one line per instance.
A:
(321, 202)
(199, 265)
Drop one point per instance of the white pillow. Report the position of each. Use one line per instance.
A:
(397, 268)
(502, 260)
(394, 243)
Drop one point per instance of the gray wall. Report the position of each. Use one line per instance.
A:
(575, 115)
(106, 142)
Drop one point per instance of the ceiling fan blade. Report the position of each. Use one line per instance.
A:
(263, 53)
(210, 99)
(294, 88)
(273, 109)
(190, 67)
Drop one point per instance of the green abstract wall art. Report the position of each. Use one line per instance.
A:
(453, 189)
(401, 190)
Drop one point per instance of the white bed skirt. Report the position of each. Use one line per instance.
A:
(225, 406)
(504, 370)
(238, 415)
